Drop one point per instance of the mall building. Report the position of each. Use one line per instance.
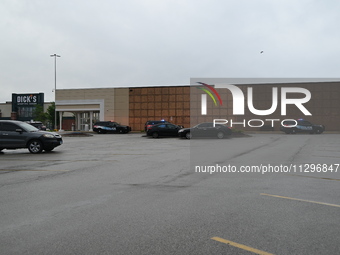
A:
(79, 109)
(128, 106)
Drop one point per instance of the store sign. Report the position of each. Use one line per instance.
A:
(27, 99)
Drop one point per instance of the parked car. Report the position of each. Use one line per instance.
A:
(148, 125)
(38, 124)
(18, 134)
(163, 129)
(103, 127)
(302, 126)
(206, 129)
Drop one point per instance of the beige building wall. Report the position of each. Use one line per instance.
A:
(6, 109)
(121, 106)
(112, 103)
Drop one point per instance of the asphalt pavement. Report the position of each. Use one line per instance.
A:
(129, 194)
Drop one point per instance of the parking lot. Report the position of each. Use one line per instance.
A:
(129, 194)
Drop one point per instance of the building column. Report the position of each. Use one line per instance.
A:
(60, 121)
(91, 120)
(78, 121)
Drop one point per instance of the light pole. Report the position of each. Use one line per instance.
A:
(55, 88)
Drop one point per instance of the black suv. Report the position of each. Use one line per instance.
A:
(150, 123)
(103, 127)
(301, 126)
(18, 134)
(163, 129)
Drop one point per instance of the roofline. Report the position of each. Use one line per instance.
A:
(132, 87)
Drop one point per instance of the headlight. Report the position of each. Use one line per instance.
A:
(48, 135)
(180, 131)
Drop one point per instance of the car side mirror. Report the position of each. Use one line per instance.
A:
(19, 130)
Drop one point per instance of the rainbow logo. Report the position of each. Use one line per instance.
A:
(210, 90)
(207, 88)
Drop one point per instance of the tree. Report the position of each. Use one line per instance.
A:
(39, 114)
(50, 113)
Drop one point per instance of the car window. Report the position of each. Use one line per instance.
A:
(305, 123)
(101, 123)
(162, 126)
(171, 126)
(290, 123)
(154, 122)
(8, 127)
(27, 127)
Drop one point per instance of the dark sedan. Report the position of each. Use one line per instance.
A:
(163, 129)
(207, 129)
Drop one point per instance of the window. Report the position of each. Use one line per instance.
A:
(171, 126)
(304, 123)
(26, 112)
(8, 127)
(112, 124)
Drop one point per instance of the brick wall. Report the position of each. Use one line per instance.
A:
(155, 103)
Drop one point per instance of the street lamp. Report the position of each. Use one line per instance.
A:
(55, 88)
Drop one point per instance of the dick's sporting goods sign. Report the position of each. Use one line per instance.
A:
(26, 100)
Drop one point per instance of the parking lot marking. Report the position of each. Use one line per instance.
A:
(241, 246)
(31, 170)
(314, 177)
(302, 200)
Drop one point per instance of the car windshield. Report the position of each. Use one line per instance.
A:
(28, 127)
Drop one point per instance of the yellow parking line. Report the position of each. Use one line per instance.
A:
(303, 200)
(314, 177)
(32, 170)
(241, 246)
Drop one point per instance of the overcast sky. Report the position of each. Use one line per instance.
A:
(111, 43)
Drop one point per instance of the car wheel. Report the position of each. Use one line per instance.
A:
(318, 131)
(287, 132)
(101, 131)
(35, 146)
(293, 131)
(188, 135)
(220, 135)
(155, 135)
